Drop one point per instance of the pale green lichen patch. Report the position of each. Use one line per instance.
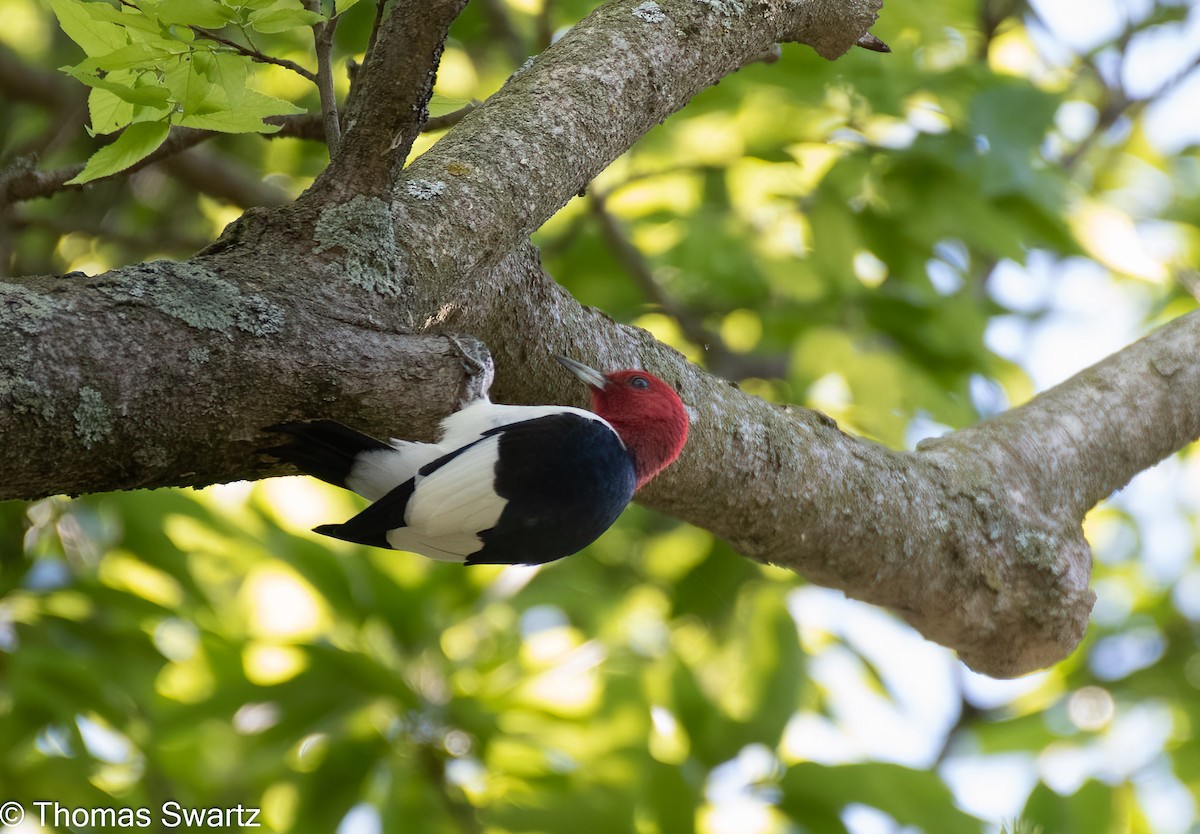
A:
(27, 397)
(196, 296)
(725, 8)
(22, 309)
(424, 189)
(650, 12)
(526, 64)
(198, 355)
(259, 316)
(93, 421)
(362, 230)
(22, 394)
(1038, 548)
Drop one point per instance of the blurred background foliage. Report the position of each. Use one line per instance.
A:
(908, 242)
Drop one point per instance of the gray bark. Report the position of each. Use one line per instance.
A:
(365, 303)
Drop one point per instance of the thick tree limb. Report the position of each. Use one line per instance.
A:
(975, 538)
(178, 370)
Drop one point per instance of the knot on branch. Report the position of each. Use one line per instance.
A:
(832, 27)
(1021, 599)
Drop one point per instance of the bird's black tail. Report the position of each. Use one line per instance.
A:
(323, 448)
(371, 526)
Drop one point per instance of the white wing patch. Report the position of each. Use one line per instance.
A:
(377, 473)
(442, 548)
(460, 497)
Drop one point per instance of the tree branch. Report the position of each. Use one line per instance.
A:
(719, 359)
(323, 46)
(975, 539)
(22, 82)
(23, 180)
(152, 241)
(450, 119)
(254, 54)
(388, 108)
(224, 178)
(248, 354)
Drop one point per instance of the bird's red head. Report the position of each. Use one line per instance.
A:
(647, 414)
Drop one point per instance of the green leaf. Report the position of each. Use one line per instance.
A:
(108, 111)
(145, 94)
(911, 797)
(282, 17)
(230, 72)
(187, 81)
(1088, 811)
(82, 25)
(252, 5)
(140, 20)
(134, 55)
(206, 13)
(340, 6)
(135, 143)
(246, 118)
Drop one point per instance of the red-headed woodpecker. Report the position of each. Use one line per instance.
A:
(506, 484)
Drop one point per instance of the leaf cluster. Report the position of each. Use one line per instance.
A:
(150, 67)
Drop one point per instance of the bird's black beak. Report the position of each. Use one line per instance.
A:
(588, 376)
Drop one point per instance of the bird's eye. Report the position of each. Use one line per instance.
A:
(639, 382)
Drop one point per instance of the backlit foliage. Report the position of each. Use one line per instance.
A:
(864, 237)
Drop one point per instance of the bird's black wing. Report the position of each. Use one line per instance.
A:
(566, 478)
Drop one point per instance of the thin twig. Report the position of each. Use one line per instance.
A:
(22, 180)
(64, 224)
(390, 102)
(449, 119)
(869, 42)
(502, 27)
(545, 25)
(254, 54)
(462, 812)
(720, 359)
(323, 45)
(1116, 100)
